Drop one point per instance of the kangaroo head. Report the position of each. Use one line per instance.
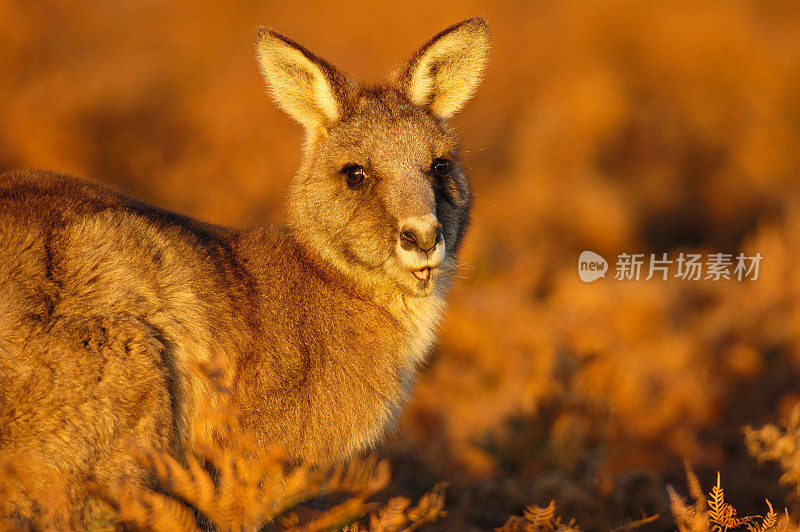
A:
(380, 192)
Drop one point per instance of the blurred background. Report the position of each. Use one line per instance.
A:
(617, 127)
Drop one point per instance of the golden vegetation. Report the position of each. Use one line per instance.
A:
(228, 483)
(536, 519)
(618, 127)
(712, 513)
(245, 488)
(782, 445)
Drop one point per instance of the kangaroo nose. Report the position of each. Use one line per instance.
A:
(422, 233)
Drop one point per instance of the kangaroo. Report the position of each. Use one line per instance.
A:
(108, 305)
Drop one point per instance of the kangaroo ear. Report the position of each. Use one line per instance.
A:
(445, 72)
(308, 88)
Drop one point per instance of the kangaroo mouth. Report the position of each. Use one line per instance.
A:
(423, 275)
(422, 280)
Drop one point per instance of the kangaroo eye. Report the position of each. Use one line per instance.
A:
(440, 167)
(354, 174)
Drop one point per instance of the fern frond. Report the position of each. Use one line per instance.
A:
(429, 508)
(716, 505)
(695, 490)
(770, 519)
(335, 518)
(391, 517)
(537, 519)
(541, 517)
(148, 510)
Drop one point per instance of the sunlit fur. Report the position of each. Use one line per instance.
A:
(109, 307)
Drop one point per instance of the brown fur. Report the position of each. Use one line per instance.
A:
(108, 305)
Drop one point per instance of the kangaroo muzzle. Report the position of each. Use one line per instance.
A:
(421, 245)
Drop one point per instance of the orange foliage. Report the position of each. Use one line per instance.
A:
(612, 126)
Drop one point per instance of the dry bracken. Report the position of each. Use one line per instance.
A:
(712, 514)
(779, 444)
(229, 483)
